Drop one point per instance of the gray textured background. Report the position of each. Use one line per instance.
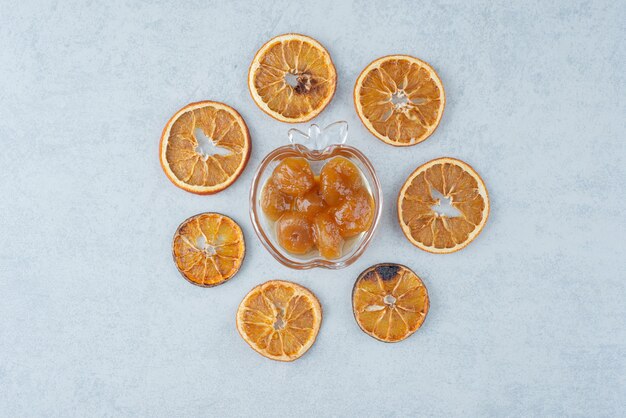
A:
(95, 320)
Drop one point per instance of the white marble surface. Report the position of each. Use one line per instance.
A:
(529, 320)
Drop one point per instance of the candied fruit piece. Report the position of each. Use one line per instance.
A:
(293, 176)
(273, 202)
(355, 214)
(339, 178)
(295, 233)
(329, 240)
(310, 203)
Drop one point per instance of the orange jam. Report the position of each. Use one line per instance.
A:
(317, 212)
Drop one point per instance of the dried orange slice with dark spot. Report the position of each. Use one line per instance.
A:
(400, 99)
(421, 213)
(208, 249)
(292, 78)
(204, 147)
(390, 302)
(280, 320)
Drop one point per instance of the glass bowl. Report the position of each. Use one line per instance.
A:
(316, 146)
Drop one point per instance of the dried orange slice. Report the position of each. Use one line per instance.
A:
(204, 147)
(389, 302)
(292, 78)
(420, 209)
(279, 320)
(208, 249)
(400, 99)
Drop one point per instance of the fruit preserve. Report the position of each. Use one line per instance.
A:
(317, 212)
(317, 201)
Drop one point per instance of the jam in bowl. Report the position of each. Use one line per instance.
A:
(316, 202)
